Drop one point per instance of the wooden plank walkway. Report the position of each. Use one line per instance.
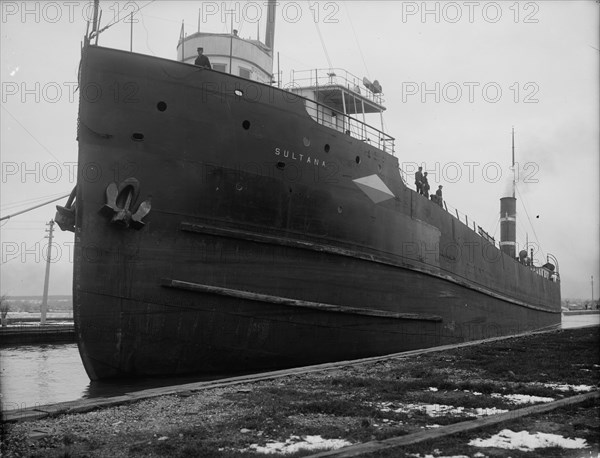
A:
(85, 405)
(37, 334)
(375, 446)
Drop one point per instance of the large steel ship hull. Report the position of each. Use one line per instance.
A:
(270, 241)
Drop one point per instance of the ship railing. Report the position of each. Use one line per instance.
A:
(409, 182)
(554, 275)
(405, 177)
(543, 271)
(548, 274)
(341, 122)
(471, 224)
(337, 77)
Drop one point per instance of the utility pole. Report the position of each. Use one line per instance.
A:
(592, 289)
(44, 307)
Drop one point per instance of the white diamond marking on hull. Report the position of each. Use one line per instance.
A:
(374, 188)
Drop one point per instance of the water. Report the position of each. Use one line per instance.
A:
(578, 321)
(46, 374)
(34, 375)
(41, 374)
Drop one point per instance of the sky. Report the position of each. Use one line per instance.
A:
(456, 76)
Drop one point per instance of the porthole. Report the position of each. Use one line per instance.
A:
(327, 147)
(357, 159)
(138, 137)
(281, 165)
(306, 141)
(239, 187)
(238, 92)
(161, 106)
(340, 209)
(246, 124)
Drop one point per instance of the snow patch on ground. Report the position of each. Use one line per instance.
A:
(563, 387)
(475, 393)
(522, 398)
(295, 443)
(526, 442)
(439, 410)
(416, 455)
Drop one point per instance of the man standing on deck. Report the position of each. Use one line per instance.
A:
(202, 60)
(425, 186)
(438, 195)
(419, 180)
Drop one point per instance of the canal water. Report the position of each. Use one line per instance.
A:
(46, 374)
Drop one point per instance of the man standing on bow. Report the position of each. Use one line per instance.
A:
(202, 60)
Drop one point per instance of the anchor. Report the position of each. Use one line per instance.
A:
(65, 216)
(119, 201)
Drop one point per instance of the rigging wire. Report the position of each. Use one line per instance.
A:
(175, 21)
(225, 15)
(36, 206)
(11, 205)
(118, 19)
(496, 227)
(357, 42)
(30, 134)
(240, 26)
(147, 35)
(523, 203)
(323, 45)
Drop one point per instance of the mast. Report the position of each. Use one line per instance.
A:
(270, 33)
(513, 161)
(95, 20)
(231, 47)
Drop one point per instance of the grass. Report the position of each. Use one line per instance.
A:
(340, 403)
(585, 424)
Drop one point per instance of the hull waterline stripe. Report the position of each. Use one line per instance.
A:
(324, 248)
(267, 298)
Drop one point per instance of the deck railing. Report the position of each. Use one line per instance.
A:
(336, 77)
(350, 126)
(553, 276)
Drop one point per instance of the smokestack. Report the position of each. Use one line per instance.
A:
(508, 226)
(270, 33)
